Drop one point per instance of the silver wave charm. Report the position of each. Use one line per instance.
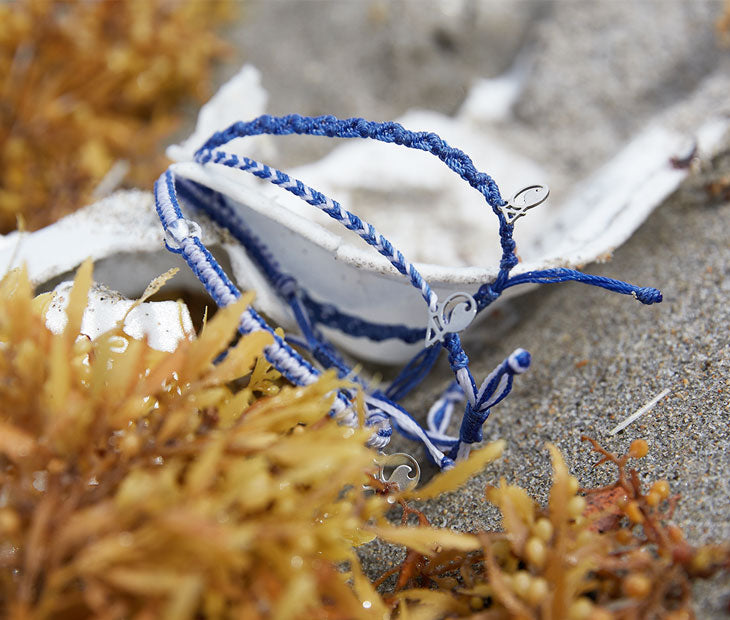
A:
(397, 469)
(452, 315)
(524, 200)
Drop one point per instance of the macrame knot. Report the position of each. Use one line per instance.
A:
(446, 463)
(509, 259)
(519, 361)
(648, 295)
(486, 295)
(458, 359)
(363, 128)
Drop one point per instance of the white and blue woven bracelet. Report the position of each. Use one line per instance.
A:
(442, 321)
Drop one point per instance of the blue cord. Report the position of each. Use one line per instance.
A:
(646, 295)
(333, 127)
(413, 373)
(330, 207)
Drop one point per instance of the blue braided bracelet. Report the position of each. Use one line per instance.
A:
(445, 318)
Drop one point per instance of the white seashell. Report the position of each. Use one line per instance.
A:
(163, 323)
(449, 232)
(426, 211)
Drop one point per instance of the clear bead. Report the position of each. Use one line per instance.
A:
(178, 231)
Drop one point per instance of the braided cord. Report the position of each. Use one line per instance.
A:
(389, 132)
(286, 360)
(646, 295)
(332, 208)
(215, 206)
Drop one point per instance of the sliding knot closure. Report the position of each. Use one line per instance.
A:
(471, 430)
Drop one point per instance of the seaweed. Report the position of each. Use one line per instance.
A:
(139, 483)
(601, 553)
(90, 89)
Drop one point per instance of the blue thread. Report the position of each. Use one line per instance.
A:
(446, 463)
(485, 296)
(457, 357)
(330, 126)
(331, 316)
(439, 416)
(413, 373)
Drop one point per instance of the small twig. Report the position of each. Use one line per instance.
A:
(609, 457)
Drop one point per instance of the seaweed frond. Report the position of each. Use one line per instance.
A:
(139, 483)
(610, 553)
(86, 86)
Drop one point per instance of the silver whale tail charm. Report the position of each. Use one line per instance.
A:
(452, 315)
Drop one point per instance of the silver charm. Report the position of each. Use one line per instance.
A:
(523, 200)
(397, 469)
(452, 315)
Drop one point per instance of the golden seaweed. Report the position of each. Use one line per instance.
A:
(146, 484)
(139, 483)
(88, 84)
(555, 562)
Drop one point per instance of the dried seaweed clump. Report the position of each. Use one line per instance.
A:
(138, 483)
(86, 84)
(608, 554)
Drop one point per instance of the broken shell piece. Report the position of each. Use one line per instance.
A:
(163, 323)
(426, 211)
(434, 218)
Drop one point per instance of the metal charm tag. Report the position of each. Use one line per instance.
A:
(396, 469)
(523, 200)
(452, 315)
